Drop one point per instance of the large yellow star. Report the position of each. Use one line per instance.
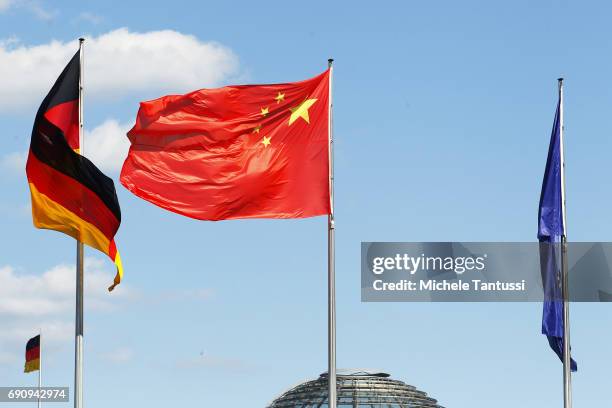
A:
(279, 98)
(301, 111)
(265, 111)
(266, 141)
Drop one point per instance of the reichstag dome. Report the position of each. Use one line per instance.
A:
(356, 389)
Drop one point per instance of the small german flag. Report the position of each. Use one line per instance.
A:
(69, 193)
(32, 362)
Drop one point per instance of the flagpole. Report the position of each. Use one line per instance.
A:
(40, 363)
(78, 346)
(331, 255)
(567, 369)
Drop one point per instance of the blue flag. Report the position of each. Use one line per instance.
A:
(551, 227)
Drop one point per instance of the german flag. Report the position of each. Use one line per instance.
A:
(32, 362)
(69, 193)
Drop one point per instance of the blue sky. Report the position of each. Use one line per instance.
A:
(442, 117)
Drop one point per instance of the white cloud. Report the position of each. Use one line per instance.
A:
(52, 293)
(107, 145)
(8, 42)
(117, 63)
(33, 6)
(54, 330)
(14, 162)
(57, 333)
(5, 4)
(30, 302)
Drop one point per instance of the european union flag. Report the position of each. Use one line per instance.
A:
(551, 228)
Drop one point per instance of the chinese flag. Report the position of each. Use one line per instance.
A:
(248, 151)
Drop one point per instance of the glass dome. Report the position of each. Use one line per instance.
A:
(356, 388)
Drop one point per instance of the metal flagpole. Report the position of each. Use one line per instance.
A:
(567, 369)
(78, 345)
(331, 252)
(40, 363)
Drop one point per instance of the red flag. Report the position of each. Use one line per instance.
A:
(248, 151)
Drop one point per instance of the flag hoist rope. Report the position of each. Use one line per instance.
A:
(331, 252)
(78, 323)
(567, 367)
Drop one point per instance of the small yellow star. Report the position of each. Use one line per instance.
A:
(266, 141)
(265, 111)
(301, 111)
(256, 129)
(279, 98)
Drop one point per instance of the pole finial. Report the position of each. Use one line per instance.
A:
(81, 40)
(330, 62)
(560, 79)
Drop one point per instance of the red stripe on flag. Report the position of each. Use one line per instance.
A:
(66, 117)
(72, 195)
(33, 353)
(112, 250)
